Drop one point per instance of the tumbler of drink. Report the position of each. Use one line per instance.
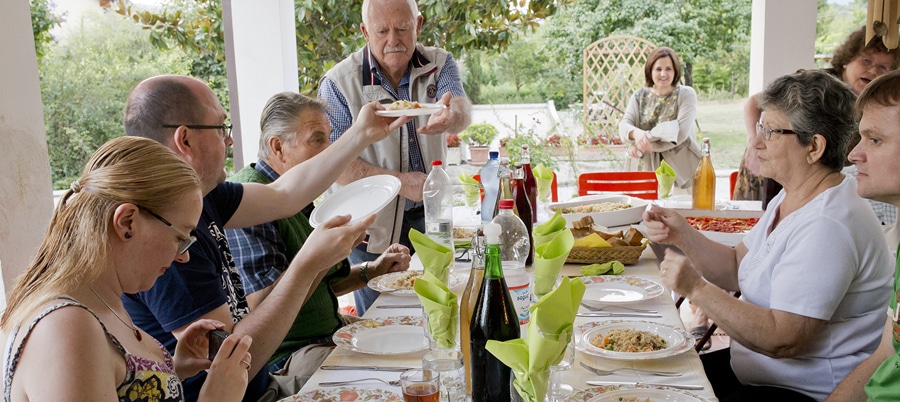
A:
(420, 386)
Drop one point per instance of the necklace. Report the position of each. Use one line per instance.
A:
(137, 332)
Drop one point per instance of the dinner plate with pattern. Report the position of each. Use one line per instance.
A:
(397, 335)
(619, 289)
(345, 394)
(388, 282)
(677, 339)
(617, 393)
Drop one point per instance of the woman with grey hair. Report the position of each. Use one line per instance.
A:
(814, 273)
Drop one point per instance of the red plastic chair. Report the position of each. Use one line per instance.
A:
(636, 184)
(732, 180)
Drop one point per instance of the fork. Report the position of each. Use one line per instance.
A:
(608, 372)
(600, 308)
(393, 383)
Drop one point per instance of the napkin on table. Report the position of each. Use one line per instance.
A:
(612, 267)
(441, 308)
(665, 176)
(553, 241)
(435, 258)
(544, 177)
(549, 333)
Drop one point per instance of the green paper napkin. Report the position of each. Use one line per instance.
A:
(436, 258)
(471, 187)
(546, 231)
(549, 333)
(549, 259)
(544, 178)
(441, 307)
(665, 176)
(612, 267)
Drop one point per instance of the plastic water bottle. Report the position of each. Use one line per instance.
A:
(437, 195)
(514, 250)
(490, 180)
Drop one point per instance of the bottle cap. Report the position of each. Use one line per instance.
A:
(506, 204)
(437, 162)
(494, 154)
(491, 233)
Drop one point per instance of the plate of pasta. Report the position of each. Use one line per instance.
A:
(401, 283)
(636, 393)
(633, 340)
(409, 108)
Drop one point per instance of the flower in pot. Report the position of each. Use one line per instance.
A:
(479, 137)
(452, 140)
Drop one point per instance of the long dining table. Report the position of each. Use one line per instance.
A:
(688, 363)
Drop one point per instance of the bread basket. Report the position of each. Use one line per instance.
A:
(627, 255)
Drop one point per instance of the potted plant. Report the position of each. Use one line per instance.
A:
(454, 156)
(479, 136)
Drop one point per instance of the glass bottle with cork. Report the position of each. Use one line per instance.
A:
(704, 185)
(523, 206)
(530, 183)
(467, 303)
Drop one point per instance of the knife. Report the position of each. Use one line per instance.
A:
(618, 314)
(652, 384)
(398, 306)
(366, 368)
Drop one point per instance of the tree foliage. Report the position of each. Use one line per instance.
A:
(43, 19)
(328, 30)
(85, 79)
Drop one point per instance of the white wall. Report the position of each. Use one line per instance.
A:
(782, 39)
(25, 197)
(260, 40)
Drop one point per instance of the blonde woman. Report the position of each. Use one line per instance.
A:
(66, 334)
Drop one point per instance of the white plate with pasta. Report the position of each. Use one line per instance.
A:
(633, 340)
(406, 108)
(401, 283)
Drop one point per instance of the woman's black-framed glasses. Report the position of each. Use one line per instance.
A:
(226, 128)
(767, 132)
(187, 239)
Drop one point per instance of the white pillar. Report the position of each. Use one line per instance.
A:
(782, 39)
(26, 199)
(261, 55)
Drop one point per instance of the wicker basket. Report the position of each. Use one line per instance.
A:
(627, 255)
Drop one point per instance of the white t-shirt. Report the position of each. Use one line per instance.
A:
(827, 260)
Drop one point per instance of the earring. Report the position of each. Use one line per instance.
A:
(127, 235)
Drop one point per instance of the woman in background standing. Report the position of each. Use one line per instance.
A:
(660, 117)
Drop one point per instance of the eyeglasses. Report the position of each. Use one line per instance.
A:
(868, 64)
(767, 132)
(226, 128)
(183, 245)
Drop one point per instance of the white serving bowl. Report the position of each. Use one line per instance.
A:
(609, 219)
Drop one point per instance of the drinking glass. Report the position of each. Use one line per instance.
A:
(448, 363)
(453, 322)
(419, 385)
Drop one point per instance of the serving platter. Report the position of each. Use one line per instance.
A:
(632, 214)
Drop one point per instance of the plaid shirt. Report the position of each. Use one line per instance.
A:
(339, 114)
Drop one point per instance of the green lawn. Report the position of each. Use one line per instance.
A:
(723, 123)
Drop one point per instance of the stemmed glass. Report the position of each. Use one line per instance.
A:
(559, 390)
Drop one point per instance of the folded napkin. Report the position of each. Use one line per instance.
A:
(546, 231)
(612, 267)
(549, 333)
(435, 258)
(472, 189)
(548, 260)
(544, 177)
(665, 176)
(441, 308)
(666, 131)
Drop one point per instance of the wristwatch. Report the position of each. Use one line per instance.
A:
(362, 271)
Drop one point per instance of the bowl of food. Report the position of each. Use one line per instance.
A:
(606, 209)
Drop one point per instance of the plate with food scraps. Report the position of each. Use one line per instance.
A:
(401, 283)
(633, 340)
(345, 394)
(407, 108)
(606, 209)
(398, 335)
(619, 289)
(639, 392)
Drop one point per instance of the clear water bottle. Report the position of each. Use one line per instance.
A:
(437, 195)
(514, 250)
(490, 180)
